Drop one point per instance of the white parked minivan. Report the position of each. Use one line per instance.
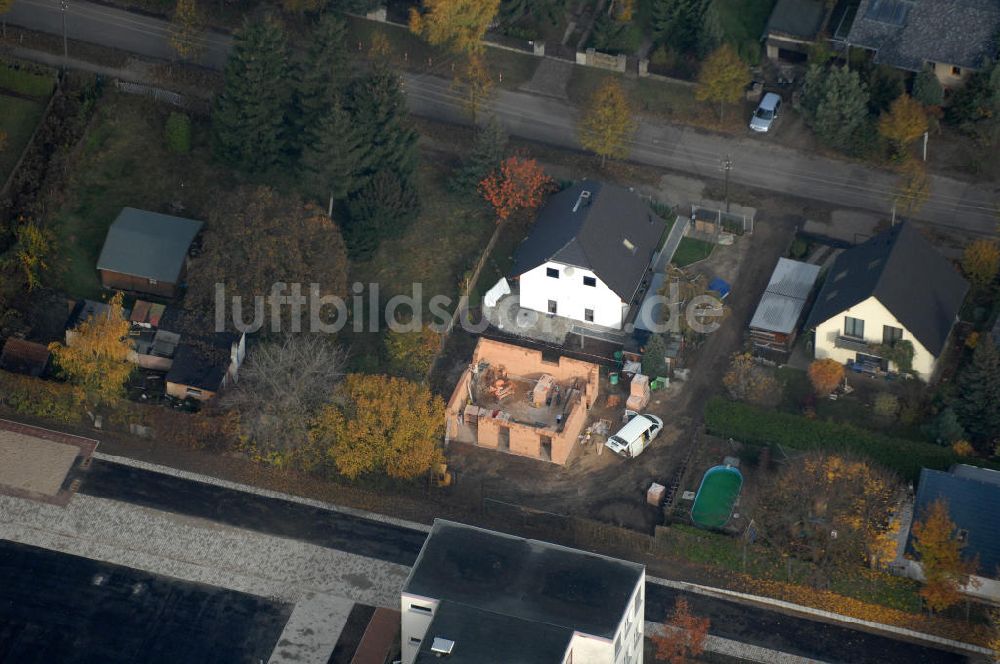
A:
(766, 113)
(635, 436)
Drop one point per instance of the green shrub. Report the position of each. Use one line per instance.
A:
(886, 406)
(799, 248)
(39, 398)
(26, 82)
(759, 426)
(179, 133)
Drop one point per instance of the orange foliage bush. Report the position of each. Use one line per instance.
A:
(825, 375)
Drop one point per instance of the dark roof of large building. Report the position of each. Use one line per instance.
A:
(533, 581)
(148, 245)
(483, 637)
(901, 269)
(910, 33)
(801, 19)
(609, 231)
(973, 504)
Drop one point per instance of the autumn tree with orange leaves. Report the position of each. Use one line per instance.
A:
(825, 375)
(939, 551)
(683, 636)
(381, 424)
(519, 184)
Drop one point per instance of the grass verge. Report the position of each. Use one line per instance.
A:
(691, 250)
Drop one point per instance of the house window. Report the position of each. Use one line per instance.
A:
(420, 609)
(891, 335)
(414, 641)
(588, 315)
(854, 327)
(152, 282)
(193, 392)
(552, 272)
(553, 307)
(956, 71)
(590, 281)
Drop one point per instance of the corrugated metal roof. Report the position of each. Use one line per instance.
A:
(148, 245)
(785, 296)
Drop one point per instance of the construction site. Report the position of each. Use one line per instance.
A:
(513, 400)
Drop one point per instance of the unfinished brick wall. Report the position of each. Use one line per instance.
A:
(521, 361)
(525, 439)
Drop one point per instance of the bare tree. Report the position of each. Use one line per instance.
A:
(282, 386)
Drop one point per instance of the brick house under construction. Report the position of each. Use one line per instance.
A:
(512, 400)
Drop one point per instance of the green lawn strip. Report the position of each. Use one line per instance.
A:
(760, 426)
(18, 118)
(724, 551)
(124, 162)
(27, 83)
(691, 250)
(410, 52)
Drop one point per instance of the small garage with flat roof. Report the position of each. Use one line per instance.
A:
(775, 322)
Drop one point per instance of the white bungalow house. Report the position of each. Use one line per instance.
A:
(588, 254)
(895, 286)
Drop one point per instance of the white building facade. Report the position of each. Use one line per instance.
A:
(572, 292)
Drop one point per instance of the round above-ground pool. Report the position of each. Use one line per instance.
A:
(713, 504)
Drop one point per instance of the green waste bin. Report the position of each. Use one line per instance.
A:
(613, 379)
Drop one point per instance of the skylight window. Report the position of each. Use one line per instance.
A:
(628, 245)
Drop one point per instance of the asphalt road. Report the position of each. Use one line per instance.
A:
(60, 608)
(389, 542)
(758, 162)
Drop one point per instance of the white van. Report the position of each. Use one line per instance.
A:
(635, 436)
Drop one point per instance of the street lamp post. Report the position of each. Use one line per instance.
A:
(62, 6)
(727, 165)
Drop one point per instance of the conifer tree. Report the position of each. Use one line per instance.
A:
(386, 205)
(487, 153)
(978, 405)
(321, 76)
(249, 118)
(333, 155)
(377, 106)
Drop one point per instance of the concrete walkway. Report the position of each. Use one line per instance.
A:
(677, 233)
(759, 163)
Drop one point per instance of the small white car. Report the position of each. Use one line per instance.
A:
(766, 113)
(633, 438)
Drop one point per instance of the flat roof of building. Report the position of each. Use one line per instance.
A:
(531, 580)
(785, 296)
(483, 637)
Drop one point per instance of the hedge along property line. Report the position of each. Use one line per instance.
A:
(759, 426)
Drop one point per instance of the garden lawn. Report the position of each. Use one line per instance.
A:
(762, 426)
(26, 83)
(742, 23)
(692, 250)
(18, 118)
(123, 161)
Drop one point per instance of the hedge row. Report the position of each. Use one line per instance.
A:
(26, 82)
(39, 398)
(758, 426)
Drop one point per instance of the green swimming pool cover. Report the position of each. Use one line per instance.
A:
(713, 505)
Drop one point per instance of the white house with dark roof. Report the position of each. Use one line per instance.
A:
(953, 37)
(895, 286)
(588, 254)
(476, 596)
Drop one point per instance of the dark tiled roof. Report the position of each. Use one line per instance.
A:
(148, 245)
(801, 19)
(202, 362)
(973, 504)
(906, 274)
(534, 581)
(909, 33)
(590, 233)
(25, 357)
(482, 637)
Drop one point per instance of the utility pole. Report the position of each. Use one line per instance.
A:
(727, 165)
(63, 6)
